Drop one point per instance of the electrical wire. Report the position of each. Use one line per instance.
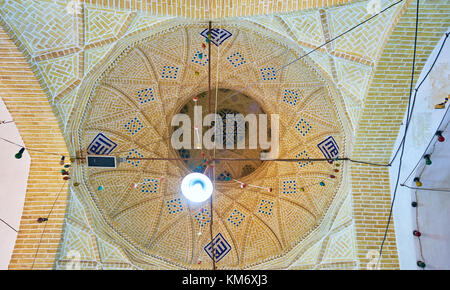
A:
(318, 47)
(428, 146)
(406, 129)
(401, 147)
(45, 225)
(8, 225)
(417, 89)
(418, 229)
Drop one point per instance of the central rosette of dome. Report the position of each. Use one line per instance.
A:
(227, 105)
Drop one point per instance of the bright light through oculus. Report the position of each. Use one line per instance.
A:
(196, 187)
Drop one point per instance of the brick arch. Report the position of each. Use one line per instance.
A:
(385, 105)
(218, 8)
(39, 128)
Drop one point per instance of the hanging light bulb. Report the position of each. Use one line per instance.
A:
(41, 220)
(243, 185)
(196, 187)
(421, 264)
(440, 137)
(427, 159)
(61, 162)
(269, 189)
(418, 182)
(20, 153)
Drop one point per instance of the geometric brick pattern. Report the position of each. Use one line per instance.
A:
(236, 217)
(303, 127)
(134, 126)
(200, 58)
(227, 8)
(351, 64)
(149, 185)
(103, 24)
(134, 154)
(169, 72)
(174, 205)
(303, 155)
(236, 59)
(203, 217)
(268, 73)
(290, 97)
(266, 207)
(44, 179)
(146, 95)
(289, 187)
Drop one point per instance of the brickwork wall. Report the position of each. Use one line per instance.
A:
(28, 104)
(381, 114)
(214, 8)
(380, 121)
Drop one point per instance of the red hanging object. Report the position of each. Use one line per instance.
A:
(417, 233)
(332, 176)
(269, 189)
(243, 185)
(440, 137)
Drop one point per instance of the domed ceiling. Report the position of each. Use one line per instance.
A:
(115, 76)
(130, 108)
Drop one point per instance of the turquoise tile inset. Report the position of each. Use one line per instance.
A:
(174, 205)
(289, 186)
(303, 155)
(265, 207)
(169, 72)
(236, 59)
(134, 126)
(146, 95)
(236, 217)
(134, 154)
(203, 217)
(149, 185)
(200, 58)
(268, 73)
(290, 97)
(303, 127)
